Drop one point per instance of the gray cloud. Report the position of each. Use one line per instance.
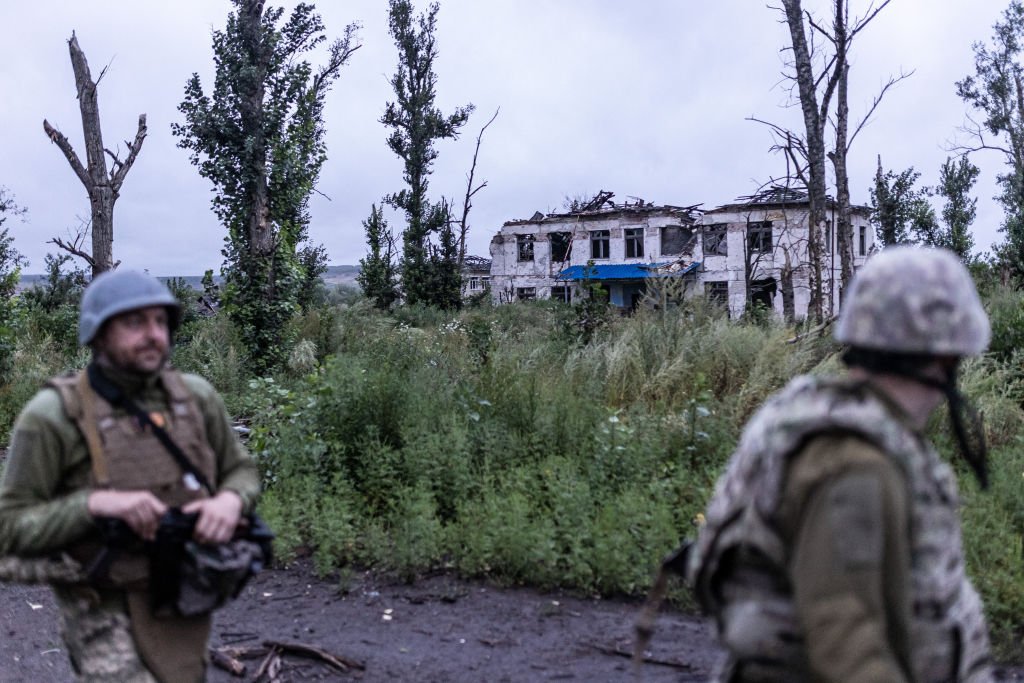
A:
(646, 99)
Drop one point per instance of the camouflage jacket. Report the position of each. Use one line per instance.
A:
(741, 543)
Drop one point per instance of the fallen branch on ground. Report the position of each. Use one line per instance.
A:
(646, 660)
(228, 658)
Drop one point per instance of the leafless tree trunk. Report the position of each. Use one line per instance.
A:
(786, 277)
(844, 228)
(833, 79)
(814, 123)
(103, 187)
(467, 203)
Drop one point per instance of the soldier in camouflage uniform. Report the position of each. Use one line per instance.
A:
(55, 489)
(832, 545)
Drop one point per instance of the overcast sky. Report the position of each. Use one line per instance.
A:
(647, 99)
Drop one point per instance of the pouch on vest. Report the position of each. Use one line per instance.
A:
(189, 578)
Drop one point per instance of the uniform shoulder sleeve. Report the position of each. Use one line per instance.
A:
(199, 386)
(45, 412)
(42, 499)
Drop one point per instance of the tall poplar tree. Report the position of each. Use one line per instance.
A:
(259, 138)
(900, 211)
(378, 272)
(429, 267)
(956, 179)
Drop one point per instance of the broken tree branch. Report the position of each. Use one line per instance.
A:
(72, 249)
(340, 662)
(59, 139)
(270, 667)
(893, 80)
(227, 662)
(817, 330)
(117, 176)
(615, 652)
(467, 203)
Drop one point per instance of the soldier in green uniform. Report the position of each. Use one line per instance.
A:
(832, 547)
(76, 458)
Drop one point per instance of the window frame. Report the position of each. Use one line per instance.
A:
(717, 291)
(597, 238)
(634, 240)
(554, 239)
(526, 293)
(756, 233)
(682, 242)
(564, 291)
(525, 248)
(717, 236)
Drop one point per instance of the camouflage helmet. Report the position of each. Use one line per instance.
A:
(914, 300)
(119, 291)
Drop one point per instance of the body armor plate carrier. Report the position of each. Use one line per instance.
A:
(757, 621)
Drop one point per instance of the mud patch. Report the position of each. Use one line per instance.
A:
(438, 629)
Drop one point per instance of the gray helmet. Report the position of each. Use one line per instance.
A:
(914, 300)
(118, 291)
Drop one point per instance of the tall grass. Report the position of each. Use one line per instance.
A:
(496, 442)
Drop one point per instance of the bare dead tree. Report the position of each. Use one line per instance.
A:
(815, 89)
(841, 38)
(102, 186)
(467, 203)
(814, 114)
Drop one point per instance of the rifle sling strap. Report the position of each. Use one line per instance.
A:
(115, 397)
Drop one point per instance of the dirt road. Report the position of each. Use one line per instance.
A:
(439, 629)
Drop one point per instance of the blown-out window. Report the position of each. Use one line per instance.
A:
(634, 242)
(524, 247)
(715, 240)
(600, 244)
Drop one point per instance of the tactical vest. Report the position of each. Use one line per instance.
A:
(756, 616)
(132, 458)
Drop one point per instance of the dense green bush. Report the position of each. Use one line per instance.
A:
(496, 443)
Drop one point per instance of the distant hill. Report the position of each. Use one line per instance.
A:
(335, 275)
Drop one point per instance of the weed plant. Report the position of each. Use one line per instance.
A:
(498, 442)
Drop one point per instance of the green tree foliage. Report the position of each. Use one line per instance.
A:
(900, 212)
(259, 138)
(430, 273)
(52, 305)
(10, 259)
(956, 179)
(10, 272)
(312, 265)
(378, 272)
(996, 92)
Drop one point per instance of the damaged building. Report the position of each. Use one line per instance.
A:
(547, 256)
(737, 253)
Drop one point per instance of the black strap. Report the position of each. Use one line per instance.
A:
(113, 395)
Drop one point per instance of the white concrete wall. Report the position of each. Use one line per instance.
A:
(789, 234)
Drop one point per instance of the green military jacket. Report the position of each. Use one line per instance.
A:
(46, 480)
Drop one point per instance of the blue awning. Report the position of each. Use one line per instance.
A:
(623, 271)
